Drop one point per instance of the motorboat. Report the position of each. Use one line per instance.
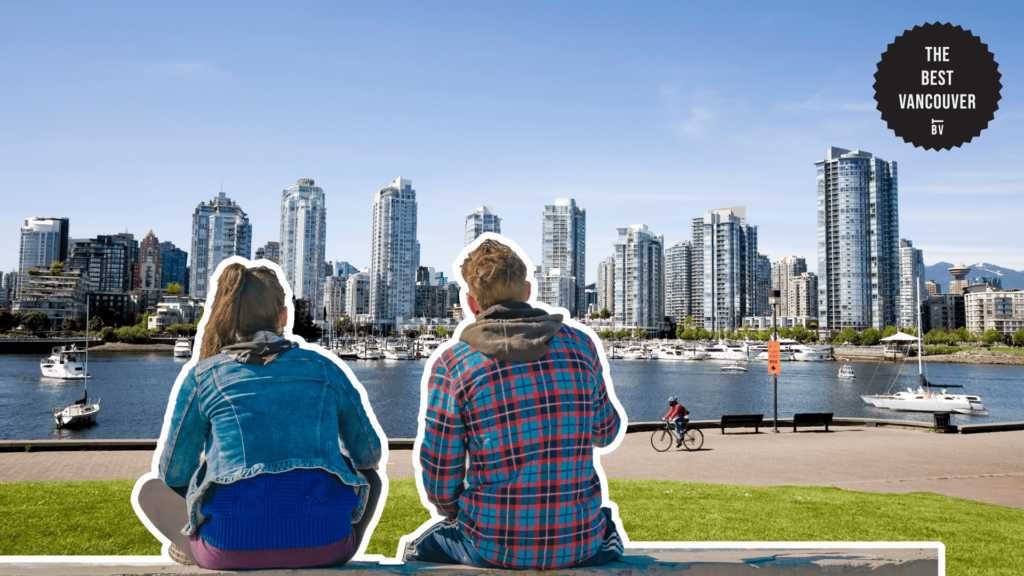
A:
(846, 372)
(78, 415)
(805, 353)
(669, 353)
(367, 350)
(182, 348)
(723, 351)
(733, 368)
(398, 351)
(66, 363)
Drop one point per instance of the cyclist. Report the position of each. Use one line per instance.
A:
(677, 414)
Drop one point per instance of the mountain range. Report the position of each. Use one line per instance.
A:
(939, 273)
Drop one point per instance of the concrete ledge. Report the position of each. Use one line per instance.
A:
(994, 427)
(636, 561)
(123, 444)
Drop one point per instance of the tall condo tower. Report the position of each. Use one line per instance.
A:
(219, 229)
(483, 220)
(393, 258)
(911, 283)
(606, 284)
(858, 249)
(639, 278)
(303, 242)
(678, 272)
(730, 269)
(149, 272)
(563, 254)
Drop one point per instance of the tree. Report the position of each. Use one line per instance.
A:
(889, 331)
(936, 337)
(441, 331)
(56, 268)
(1018, 337)
(69, 325)
(641, 333)
(174, 288)
(961, 335)
(870, 337)
(605, 314)
(911, 331)
(36, 321)
(607, 334)
(847, 335)
(6, 320)
(620, 334)
(595, 316)
(991, 336)
(95, 324)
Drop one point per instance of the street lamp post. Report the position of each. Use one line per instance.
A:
(774, 301)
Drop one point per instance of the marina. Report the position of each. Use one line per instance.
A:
(136, 388)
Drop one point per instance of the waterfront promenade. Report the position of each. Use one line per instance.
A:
(987, 467)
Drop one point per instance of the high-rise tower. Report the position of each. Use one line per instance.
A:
(393, 246)
(563, 255)
(483, 220)
(219, 229)
(303, 240)
(858, 232)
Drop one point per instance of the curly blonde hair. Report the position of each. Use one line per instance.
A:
(494, 273)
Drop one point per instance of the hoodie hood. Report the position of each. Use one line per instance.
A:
(513, 331)
(262, 350)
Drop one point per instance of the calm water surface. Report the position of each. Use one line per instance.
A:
(134, 390)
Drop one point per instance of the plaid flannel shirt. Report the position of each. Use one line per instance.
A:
(530, 497)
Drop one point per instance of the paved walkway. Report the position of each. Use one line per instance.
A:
(985, 467)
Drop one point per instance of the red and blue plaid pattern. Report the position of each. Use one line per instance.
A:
(530, 497)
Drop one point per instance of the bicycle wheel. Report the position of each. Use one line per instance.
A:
(693, 439)
(662, 440)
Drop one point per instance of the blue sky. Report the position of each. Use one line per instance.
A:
(125, 116)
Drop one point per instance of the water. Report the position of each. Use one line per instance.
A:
(135, 389)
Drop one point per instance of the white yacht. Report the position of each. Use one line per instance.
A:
(367, 350)
(846, 372)
(669, 353)
(723, 351)
(398, 351)
(182, 348)
(66, 363)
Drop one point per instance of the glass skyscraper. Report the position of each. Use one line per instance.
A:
(219, 229)
(393, 259)
(639, 299)
(303, 240)
(563, 255)
(858, 249)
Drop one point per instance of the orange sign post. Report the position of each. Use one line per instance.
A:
(773, 358)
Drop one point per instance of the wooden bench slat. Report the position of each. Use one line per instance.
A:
(741, 421)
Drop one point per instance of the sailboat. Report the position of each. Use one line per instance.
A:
(924, 399)
(81, 413)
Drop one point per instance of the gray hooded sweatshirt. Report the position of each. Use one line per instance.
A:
(513, 331)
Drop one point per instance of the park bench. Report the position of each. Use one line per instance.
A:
(812, 419)
(741, 421)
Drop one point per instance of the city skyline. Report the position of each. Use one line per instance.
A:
(644, 132)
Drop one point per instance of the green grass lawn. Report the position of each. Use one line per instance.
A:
(96, 518)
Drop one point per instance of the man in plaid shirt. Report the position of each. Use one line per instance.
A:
(522, 397)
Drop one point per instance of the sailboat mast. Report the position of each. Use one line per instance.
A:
(87, 342)
(920, 346)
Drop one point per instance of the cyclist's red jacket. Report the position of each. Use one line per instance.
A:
(676, 411)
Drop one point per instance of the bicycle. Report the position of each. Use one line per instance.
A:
(663, 438)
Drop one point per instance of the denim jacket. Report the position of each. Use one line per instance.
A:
(232, 421)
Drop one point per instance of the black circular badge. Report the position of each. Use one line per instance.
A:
(937, 86)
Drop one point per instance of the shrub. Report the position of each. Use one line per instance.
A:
(133, 335)
(109, 334)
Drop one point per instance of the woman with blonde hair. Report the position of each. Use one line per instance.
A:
(269, 456)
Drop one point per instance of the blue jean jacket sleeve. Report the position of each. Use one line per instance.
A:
(186, 437)
(359, 441)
